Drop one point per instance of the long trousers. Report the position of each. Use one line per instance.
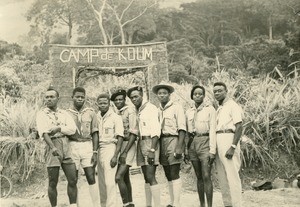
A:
(106, 176)
(228, 171)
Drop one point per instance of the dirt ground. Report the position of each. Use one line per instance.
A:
(36, 195)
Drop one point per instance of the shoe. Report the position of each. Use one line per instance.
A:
(131, 205)
(169, 205)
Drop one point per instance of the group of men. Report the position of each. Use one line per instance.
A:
(115, 136)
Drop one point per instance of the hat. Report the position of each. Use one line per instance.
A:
(117, 93)
(136, 88)
(159, 86)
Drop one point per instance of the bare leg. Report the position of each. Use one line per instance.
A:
(70, 172)
(53, 173)
(208, 187)
(122, 169)
(200, 183)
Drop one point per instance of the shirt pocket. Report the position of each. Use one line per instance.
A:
(169, 121)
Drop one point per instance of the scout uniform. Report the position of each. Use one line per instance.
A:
(201, 123)
(110, 126)
(81, 142)
(129, 118)
(228, 114)
(47, 119)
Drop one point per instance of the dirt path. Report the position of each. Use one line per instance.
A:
(288, 197)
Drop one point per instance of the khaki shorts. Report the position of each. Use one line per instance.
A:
(199, 149)
(143, 147)
(82, 153)
(130, 153)
(63, 146)
(167, 150)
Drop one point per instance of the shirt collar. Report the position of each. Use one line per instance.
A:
(225, 101)
(203, 105)
(73, 109)
(123, 108)
(107, 114)
(48, 111)
(170, 103)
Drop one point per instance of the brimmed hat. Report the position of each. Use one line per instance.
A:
(136, 88)
(117, 93)
(165, 86)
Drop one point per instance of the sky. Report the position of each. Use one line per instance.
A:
(13, 23)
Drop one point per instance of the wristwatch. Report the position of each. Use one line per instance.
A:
(152, 150)
(233, 146)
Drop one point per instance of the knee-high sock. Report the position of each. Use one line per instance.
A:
(94, 192)
(155, 190)
(148, 194)
(177, 191)
(171, 192)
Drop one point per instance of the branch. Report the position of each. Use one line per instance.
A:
(128, 6)
(143, 12)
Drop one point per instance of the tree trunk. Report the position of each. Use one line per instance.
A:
(70, 30)
(270, 28)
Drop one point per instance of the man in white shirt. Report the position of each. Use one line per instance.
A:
(201, 147)
(229, 130)
(111, 133)
(148, 146)
(53, 124)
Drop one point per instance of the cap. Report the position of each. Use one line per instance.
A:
(136, 88)
(165, 86)
(117, 93)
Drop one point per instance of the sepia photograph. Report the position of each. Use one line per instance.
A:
(149, 103)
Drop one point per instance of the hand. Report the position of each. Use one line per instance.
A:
(211, 158)
(229, 153)
(122, 158)
(94, 159)
(113, 162)
(151, 158)
(178, 153)
(54, 130)
(54, 151)
(186, 158)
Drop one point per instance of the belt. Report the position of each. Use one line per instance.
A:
(225, 131)
(80, 140)
(168, 135)
(145, 137)
(53, 138)
(202, 134)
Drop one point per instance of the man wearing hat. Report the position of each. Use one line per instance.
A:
(148, 146)
(173, 128)
(201, 147)
(111, 133)
(128, 149)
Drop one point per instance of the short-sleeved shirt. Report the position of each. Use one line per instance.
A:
(86, 122)
(110, 126)
(148, 120)
(172, 118)
(47, 119)
(129, 118)
(202, 120)
(228, 114)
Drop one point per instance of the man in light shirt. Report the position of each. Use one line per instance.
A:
(201, 147)
(148, 146)
(84, 143)
(173, 129)
(128, 150)
(111, 133)
(53, 124)
(229, 128)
